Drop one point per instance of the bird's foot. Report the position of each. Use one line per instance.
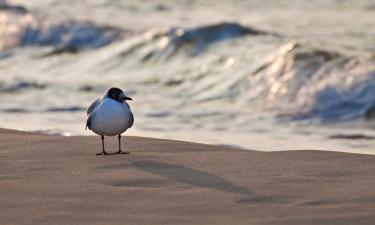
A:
(121, 153)
(103, 153)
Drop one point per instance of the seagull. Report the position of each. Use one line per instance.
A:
(110, 116)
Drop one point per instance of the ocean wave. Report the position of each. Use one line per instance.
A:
(307, 83)
(195, 40)
(69, 36)
(294, 81)
(297, 81)
(21, 27)
(163, 44)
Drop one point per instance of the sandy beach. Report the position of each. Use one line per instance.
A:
(59, 180)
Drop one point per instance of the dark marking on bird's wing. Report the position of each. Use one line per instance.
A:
(88, 122)
(131, 120)
(93, 105)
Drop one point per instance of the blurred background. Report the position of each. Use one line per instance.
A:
(266, 75)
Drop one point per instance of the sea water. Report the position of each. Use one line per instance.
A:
(264, 75)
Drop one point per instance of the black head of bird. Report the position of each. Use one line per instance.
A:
(117, 94)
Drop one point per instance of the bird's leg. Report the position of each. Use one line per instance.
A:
(119, 143)
(103, 152)
(119, 146)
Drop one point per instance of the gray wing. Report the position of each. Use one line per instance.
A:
(131, 119)
(93, 105)
(88, 122)
(89, 111)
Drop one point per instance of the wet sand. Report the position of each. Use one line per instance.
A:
(59, 180)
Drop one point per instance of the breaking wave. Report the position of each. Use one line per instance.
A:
(20, 27)
(244, 66)
(311, 83)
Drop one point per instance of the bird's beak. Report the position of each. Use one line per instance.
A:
(123, 97)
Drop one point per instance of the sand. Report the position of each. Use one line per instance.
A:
(59, 180)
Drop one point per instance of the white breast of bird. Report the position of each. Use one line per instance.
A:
(110, 118)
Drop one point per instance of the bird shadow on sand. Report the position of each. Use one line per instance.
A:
(190, 176)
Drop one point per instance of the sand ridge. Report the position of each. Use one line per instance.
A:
(59, 180)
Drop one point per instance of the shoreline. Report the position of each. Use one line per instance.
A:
(357, 141)
(58, 179)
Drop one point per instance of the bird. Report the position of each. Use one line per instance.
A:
(110, 115)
